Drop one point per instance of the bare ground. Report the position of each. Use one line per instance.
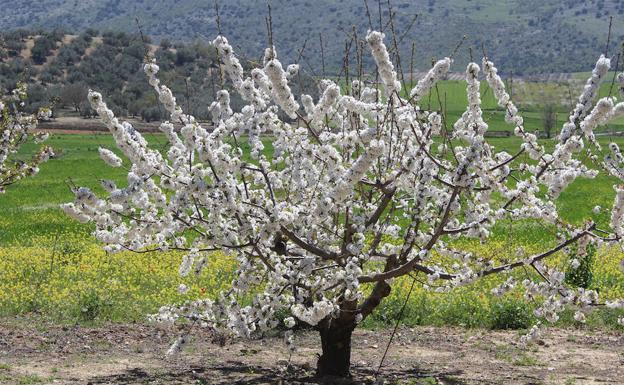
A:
(34, 352)
(76, 124)
(79, 125)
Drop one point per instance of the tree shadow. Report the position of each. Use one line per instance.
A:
(238, 373)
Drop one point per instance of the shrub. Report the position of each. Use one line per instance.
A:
(583, 275)
(510, 314)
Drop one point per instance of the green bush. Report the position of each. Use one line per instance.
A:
(92, 306)
(583, 275)
(510, 314)
(461, 310)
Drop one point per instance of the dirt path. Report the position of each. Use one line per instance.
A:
(75, 124)
(37, 353)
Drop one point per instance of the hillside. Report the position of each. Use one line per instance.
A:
(526, 36)
(60, 68)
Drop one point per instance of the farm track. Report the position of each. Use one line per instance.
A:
(32, 350)
(77, 125)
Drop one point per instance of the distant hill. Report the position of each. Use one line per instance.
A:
(524, 36)
(59, 69)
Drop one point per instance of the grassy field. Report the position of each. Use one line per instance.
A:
(450, 96)
(32, 206)
(50, 265)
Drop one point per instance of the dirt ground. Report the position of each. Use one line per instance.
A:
(75, 124)
(78, 124)
(34, 352)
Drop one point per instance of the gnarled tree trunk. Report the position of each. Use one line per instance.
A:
(335, 359)
(336, 344)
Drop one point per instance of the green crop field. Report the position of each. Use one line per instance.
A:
(50, 265)
(31, 207)
(450, 96)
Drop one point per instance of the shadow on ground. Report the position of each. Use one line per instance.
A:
(241, 374)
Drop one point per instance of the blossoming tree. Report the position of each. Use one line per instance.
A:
(14, 128)
(363, 186)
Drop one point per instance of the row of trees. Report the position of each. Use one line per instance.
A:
(109, 63)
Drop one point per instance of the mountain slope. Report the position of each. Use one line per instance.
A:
(524, 36)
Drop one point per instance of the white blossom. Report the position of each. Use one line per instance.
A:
(424, 85)
(289, 322)
(110, 157)
(15, 127)
(384, 65)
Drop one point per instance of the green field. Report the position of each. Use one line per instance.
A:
(450, 96)
(50, 265)
(32, 206)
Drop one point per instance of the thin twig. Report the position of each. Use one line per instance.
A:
(396, 326)
(322, 54)
(608, 36)
(617, 63)
(145, 45)
(412, 64)
(458, 46)
(408, 29)
(368, 14)
(269, 24)
(380, 16)
(216, 3)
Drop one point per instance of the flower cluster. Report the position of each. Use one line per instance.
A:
(585, 100)
(281, 91)
(424, 85)
(386, 69)
(14, 129)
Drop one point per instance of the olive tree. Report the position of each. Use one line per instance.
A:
(362, 186)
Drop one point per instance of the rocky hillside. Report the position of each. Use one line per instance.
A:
(526, 36)
(60, 68)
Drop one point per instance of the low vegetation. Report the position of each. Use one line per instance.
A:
(50, 266)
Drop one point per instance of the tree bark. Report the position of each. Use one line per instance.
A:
(335, 361)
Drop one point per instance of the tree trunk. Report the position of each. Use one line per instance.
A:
(336, 357)
(335, 361)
